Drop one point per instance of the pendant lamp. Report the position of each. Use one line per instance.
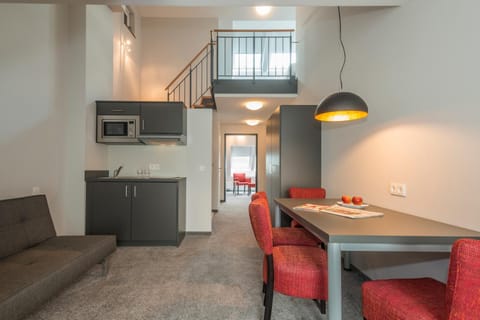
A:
(342, 105)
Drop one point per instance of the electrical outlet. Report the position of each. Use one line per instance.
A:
(398, 189)
(154, 166)
(35, 190)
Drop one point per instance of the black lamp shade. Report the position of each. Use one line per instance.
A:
(341, 106)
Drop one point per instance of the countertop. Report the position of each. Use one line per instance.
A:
(102, 176)
(136, 179)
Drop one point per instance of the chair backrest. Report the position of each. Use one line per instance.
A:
(259, 194)
(463, 285)
(239, 177)
(261, 224)
(295, 192)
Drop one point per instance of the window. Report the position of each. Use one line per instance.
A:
(129, 19)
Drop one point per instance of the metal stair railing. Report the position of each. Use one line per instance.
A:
(195, 79)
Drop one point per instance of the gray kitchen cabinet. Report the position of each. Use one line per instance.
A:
(118, 108)
(149, 200)
(110, 212)
(162, 118)
(138, 211)
(294, 151)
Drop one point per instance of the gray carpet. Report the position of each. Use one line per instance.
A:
(207, 277)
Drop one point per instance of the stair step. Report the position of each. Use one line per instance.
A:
(206, 102)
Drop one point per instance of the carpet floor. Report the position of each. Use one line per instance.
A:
(215, 276)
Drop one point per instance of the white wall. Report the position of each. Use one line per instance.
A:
(127, 62)
(417, 67)
(98, 78)
(31, 125)
(193, 161)
(261, 132)
(54, 64)
(168, 45)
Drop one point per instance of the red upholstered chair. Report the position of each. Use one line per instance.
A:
(287, 236)
(259, 194)
(426, 298)
(239, 179)
(291, 270)
(305, 193)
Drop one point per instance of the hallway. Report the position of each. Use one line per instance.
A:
(207, 277)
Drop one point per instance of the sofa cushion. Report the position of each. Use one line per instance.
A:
(24, 222)
(32, 276)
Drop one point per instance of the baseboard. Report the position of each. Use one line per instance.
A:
(199, 233)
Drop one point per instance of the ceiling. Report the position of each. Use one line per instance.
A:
(231, 109)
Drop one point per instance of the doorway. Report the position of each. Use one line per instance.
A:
(240, 157)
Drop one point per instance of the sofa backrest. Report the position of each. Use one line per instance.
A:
(24, 222)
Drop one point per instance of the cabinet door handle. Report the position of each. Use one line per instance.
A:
(118, 110)
(143, 124)
(134, 191)
(126, 191)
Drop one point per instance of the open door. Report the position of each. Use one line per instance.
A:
(241, 156)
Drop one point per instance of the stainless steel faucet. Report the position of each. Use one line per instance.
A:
(116, 172)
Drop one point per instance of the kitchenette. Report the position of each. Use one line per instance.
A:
(147, 194)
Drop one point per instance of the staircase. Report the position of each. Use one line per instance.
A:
(206, 102)
(237, 62)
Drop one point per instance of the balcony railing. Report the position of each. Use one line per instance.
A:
(255, 54)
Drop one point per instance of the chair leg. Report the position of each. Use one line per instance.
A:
(321, 304)
(269, 293)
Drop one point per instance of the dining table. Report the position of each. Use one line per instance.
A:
(392, 232)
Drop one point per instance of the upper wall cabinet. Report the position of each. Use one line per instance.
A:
(161, 118)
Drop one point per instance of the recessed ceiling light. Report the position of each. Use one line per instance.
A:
(252, 122)
(254, 105)
(263, 10)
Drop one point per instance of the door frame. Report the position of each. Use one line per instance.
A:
(225, 160)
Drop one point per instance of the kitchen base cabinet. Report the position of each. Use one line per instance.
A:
(150, 199)
(138, 212)
(110, 213)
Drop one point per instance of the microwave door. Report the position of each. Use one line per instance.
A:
(115, 128)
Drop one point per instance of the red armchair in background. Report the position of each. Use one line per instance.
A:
(239, 179)
(295, 192)
(426, 298)
(305, 193)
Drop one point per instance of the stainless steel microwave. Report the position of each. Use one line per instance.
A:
(118, 129)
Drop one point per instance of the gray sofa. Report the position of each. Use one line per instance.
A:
(35, 263)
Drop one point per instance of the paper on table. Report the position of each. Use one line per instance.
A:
(339, 211)
(311, 207)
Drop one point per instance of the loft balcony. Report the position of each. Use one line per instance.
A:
(255, 61)
(238, 62)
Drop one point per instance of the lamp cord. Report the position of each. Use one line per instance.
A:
(343, 48)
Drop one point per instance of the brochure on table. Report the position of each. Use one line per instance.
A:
(339, 211)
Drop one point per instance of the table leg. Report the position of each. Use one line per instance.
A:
(334, 281)
(346, 261)
(277, 216)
